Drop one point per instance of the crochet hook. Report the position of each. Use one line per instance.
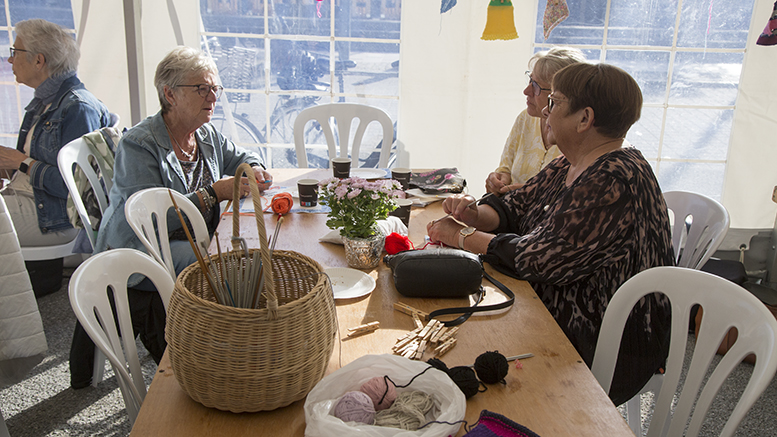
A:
(468, 205)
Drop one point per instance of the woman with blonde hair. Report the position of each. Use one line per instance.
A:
(527, 148)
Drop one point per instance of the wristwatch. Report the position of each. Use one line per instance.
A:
(25, 165)
(464, 233)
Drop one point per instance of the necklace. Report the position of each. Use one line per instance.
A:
(189, 156)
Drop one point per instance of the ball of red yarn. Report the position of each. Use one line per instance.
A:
(281, 203)
(382, 393)
(396, 243)
(355, 406)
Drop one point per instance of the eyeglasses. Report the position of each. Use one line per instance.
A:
(537, 88)
(552, 102)
(13, 51)
(204, 89)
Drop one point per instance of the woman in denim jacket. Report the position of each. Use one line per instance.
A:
(179, 149)
(45, 57)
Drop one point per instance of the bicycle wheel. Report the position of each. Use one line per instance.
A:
(245, 134)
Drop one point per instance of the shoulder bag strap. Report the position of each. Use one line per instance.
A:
(467, 311)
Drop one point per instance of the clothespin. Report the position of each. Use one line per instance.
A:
(363, 329)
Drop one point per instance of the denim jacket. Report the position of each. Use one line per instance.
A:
(145, 159)
(73, 113)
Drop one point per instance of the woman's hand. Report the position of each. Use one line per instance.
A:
(462, 208)
(498, 183)
(263, 178)
(10, 159)
(444, 231)
(223, 188)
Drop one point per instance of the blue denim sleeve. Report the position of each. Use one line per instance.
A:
(78, 118)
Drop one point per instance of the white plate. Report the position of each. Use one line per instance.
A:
(368, 173)
(349, 283)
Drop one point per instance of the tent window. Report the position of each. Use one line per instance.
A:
(687, 57)
(277, 58)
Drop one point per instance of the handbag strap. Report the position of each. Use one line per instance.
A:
(466, 312)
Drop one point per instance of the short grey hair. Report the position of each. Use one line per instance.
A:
(176, 67)
(58, 46)
(546, 63)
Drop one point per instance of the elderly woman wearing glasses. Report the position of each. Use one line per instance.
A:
(176, 148)
(585, 224)
(45, 57)
(527, 148)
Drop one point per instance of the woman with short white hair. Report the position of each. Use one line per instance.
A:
(45, 57)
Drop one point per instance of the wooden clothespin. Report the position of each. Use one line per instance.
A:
(363, 329)
(407, 309)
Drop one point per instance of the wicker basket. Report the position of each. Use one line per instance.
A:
(246, 360)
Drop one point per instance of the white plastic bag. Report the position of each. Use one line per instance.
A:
(449, 401)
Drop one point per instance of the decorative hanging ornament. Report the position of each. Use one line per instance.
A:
(769, 35)
(499, 21)
(318, 8)
(556, 11)
(446, 5)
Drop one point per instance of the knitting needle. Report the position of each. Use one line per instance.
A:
(513, 358)
(196, 251)
(468, 205)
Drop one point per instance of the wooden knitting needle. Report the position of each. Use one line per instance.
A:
(197, 253)
(468, 205)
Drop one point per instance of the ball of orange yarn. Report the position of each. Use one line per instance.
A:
(281, 203)
(382, 393)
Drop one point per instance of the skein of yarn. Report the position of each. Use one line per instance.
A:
(396, 243)
(281, 203)
(465, 378)
(408, 411)
(437, 364)
(355, 406)
(380, 391)
(491, 367)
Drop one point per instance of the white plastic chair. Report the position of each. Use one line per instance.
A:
(146, 212)
(89, 290)
(78, 153)
(700, 224)
(343, 114)
(725, 305)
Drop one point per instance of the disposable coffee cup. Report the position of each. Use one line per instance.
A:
(402, 175)
(341, 167)
(308, 192)
(403, 210)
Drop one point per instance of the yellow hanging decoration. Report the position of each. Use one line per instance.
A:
(499, 21)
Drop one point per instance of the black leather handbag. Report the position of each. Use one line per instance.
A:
(444, 273)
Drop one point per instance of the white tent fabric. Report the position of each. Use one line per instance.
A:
(458, 94)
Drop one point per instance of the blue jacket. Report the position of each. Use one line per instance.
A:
(73, 113)
(146, 159)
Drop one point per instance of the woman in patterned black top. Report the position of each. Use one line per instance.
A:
(585, 224)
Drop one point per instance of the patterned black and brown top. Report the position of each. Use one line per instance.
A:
(576, 245)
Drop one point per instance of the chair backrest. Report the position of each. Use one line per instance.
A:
(343, 114)
(78, 155)
(147, 211)
(725, 305)
(90, 286)
(700, 224)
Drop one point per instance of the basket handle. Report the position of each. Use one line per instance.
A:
(269, 284)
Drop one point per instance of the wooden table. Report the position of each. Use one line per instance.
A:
(554, 394)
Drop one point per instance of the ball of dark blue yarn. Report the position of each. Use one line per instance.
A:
(465, 378)
(491, 367)
(437, 364)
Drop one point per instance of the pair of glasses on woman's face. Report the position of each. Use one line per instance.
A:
(535, 86)
(204, 89)
(14, 50)
(552, 102)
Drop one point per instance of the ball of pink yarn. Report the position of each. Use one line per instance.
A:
(355, 406)
(382, 393)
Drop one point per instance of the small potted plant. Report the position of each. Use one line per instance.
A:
(356, 206)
